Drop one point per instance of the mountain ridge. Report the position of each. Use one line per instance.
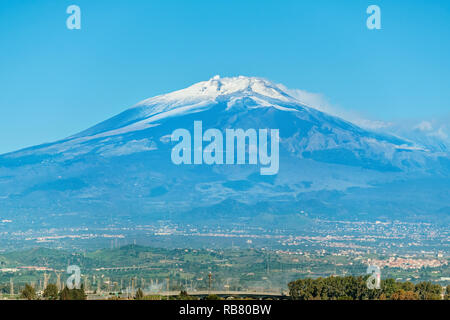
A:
(122, 166)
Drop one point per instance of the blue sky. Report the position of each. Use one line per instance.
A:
(55, 82)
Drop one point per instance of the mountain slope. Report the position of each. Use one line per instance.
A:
(122, 168)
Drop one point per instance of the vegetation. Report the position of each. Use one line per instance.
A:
(72, 294)
(428, 291)
(157, 271)
(51, 292)
(154, 297)
(355, 288)
(447, 293)
(184, 296)
(329, 288)
(139, 294)
(28, 292)
(405, 295)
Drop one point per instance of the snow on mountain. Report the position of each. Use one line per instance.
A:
(196, 98)
(216, 87)
(248, 92)
(234, 102)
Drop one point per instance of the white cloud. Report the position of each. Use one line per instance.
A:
(424, 126)
(319, 102)
(440, 133)
(428, 131)
(314, 100)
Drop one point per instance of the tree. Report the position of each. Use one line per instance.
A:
(428, 291)
(355, 288)
(139, 294)
(331, 288)
(302, 289)
(184, 296)
(404, 295)
(28, 292)
(72, 294)
(51, 292)
(407, 286)
(447, 293)
(388, 287)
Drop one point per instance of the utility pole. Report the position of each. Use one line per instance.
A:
(46, 277)
(99, 286)
(209, 284)
(11, 286)
(86, 283)
(58, 281)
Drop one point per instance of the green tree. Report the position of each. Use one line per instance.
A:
(184, 296)
(428, 291)
(28, 293)
(51, 292)
(302, 289)
(72, 294)
(447, 293)
(332, 288)
(355, 288)
(139, 294)
(404, 295)
(388, 287)
(407, 286)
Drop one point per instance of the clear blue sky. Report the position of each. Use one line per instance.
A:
(55, 82)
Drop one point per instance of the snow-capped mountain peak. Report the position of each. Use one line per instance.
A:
(197, 98)
(217, 87)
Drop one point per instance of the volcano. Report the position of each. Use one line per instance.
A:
(121, 168)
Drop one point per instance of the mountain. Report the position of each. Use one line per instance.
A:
(121, 169)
